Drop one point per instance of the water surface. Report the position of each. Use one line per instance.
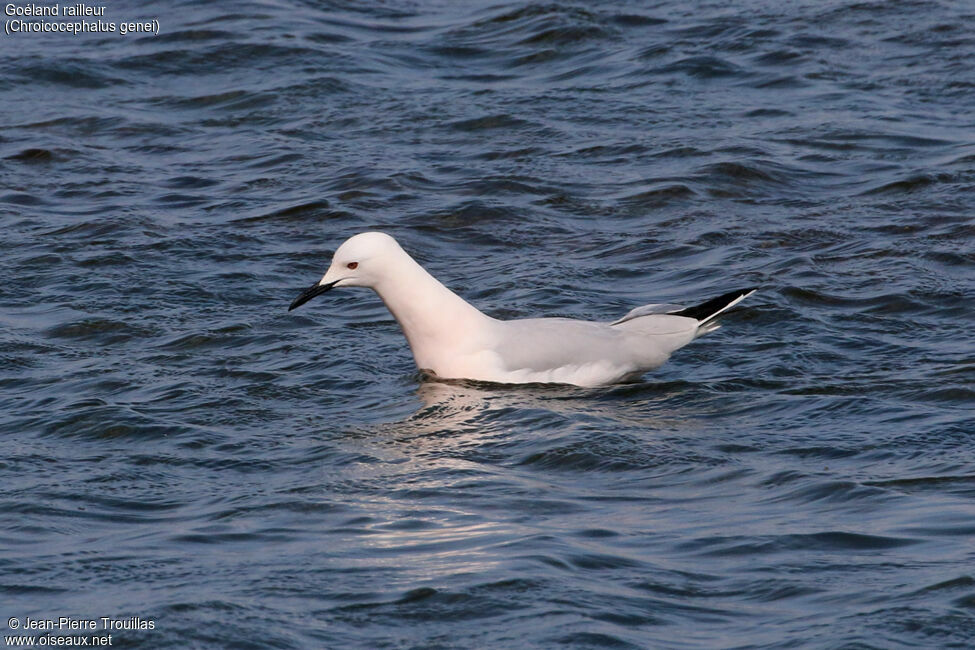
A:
(177, 446)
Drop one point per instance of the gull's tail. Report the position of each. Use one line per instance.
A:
(706, 312)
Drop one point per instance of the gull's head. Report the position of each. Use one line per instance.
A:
(362, 261)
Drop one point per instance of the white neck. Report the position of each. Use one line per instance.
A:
(436, 321)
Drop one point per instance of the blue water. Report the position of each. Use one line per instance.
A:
(176, 446)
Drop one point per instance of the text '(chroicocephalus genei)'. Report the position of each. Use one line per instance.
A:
(453, 340)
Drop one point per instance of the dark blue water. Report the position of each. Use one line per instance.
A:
(176, 446)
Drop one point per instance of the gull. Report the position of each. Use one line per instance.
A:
(452, 339)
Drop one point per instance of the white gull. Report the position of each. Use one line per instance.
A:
(452, 339)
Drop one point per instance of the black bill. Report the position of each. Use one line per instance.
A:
(309, 293)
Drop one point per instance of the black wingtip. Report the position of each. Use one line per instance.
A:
(713, 307)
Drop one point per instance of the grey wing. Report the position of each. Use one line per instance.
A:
(646, 310)
(547, 343)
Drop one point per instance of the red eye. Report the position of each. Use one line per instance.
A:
(351, 265)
